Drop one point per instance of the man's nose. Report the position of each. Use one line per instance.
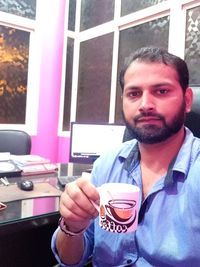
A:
(147, 102)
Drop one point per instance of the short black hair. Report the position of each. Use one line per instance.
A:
(158, 55)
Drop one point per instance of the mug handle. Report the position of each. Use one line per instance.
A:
(108, 209)
(97, 207)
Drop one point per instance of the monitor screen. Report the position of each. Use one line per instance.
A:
(89, 141)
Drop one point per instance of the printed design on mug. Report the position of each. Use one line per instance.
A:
(118, 215)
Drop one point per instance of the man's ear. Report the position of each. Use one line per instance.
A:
(188, 99)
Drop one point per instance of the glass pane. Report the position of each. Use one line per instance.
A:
(72, 15)
(151, 33)
(192, 44)
(129, 6)
(68, 84)
(95, 79)
(96, 12)
(13, 74)
(23, 8)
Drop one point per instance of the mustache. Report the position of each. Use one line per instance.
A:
(148, 114)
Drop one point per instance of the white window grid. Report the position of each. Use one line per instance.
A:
(33, 81)
(175, 9)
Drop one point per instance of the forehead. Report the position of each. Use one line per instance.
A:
(148, 70)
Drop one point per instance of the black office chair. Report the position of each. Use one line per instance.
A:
(128, 135)
(15, 141)
(192, 119)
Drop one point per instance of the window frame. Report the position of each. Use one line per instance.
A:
(175, 9)
(33, 78)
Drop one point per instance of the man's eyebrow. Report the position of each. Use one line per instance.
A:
(162, 84)
(135, 87)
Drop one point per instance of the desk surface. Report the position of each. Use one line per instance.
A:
(25, 209)
(37, 207)
(26, 226)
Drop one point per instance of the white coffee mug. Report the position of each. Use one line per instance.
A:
(118, 208)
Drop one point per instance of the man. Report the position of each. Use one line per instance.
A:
(163, 160)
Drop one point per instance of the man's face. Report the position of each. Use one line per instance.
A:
(154, 105)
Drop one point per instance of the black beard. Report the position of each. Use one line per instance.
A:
(150, 133)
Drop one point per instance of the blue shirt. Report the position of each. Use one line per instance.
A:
(168, 233)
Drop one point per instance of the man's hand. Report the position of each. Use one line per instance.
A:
(75, 205)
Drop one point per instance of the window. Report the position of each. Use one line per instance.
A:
(68, 83)
(14, 58)
(19, 72)
(104, 34)
(25, 8)
(72, 15)
(95, 12)
(192, 47)
(94, 79)
(129, 6)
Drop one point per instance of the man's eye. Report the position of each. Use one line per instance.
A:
(133, 94)
(162, 91)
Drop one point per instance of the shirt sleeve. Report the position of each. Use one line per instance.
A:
(88, 245)
(88, 241)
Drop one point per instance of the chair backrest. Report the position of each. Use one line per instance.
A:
(127, 135)
(192, 119)
(15, 141)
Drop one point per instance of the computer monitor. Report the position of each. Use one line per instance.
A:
(89, 141)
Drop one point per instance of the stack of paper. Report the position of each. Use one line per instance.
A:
(33, 164)
(8, 167)
(27, 160)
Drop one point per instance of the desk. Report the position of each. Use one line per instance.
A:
(26, 228)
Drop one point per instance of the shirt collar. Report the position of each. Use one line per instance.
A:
(130, 157)
(180, 164)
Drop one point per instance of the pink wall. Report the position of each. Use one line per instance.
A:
(63, 150)
(51, 26)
